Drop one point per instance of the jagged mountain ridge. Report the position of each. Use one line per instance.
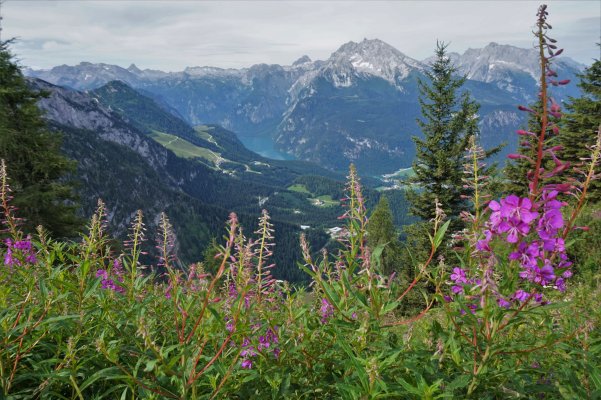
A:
(362, 100)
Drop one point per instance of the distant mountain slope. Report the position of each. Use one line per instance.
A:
(130, 171)
(142, 112)
(359, 105)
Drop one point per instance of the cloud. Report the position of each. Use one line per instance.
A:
(171, 35)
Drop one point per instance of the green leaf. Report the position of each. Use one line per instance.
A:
(440, 234)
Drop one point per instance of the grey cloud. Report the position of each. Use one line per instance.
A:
(171, 35)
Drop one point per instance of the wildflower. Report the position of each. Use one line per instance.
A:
(484, 244)
(550, 223)
(107, 283)
(18, 252)
(458, 275)
(527, 254)
(457, 289)
(263, 343)
(503, 303)
(517, 209)
(521, 295)
(326, 310)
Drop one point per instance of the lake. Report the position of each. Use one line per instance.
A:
(265, 146)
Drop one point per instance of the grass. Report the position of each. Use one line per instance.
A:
(318, 201)
(401, 174)
(299, 188)
(184, 149)
(203, 132)
(328, 201)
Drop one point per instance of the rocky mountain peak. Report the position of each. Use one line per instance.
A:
(373, 57)
(134, 69)
(487, 63)
(303, 60)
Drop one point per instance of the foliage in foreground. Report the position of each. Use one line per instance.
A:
(79, 321)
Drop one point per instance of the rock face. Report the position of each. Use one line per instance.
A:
(81, 111)
(359, 105)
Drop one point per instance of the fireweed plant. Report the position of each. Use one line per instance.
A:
(88, 320)
(514, 260)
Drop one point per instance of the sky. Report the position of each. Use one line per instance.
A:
(171, 35)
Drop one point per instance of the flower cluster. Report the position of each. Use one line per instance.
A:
(326, 310)
(267, 341)
(19, 252)
(107, 282)
(543, 259)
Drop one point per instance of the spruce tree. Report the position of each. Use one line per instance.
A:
(381, 232)
(448, 121)
(582, 122)
(32, 152)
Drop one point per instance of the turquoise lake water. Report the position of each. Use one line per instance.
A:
(265, 146)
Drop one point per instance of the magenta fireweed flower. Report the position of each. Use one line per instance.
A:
(517, 209)
(19, 252)
(326, 310)
(457, 289)
(229, 324)
(101, 273)
(484, 244)
(521, 295)
(107, 283)
(550, 223)
(527, 254)
(514, 229)
(263, 343)
(554, 245)
(458, 275)
(503, 303)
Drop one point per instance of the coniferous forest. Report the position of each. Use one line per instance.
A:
(145, 257)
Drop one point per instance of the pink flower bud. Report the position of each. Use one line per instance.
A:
(564, 82)
(524, 133)
(522, 108)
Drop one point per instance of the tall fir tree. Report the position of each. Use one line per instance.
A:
(382, 232)
(582, 123)
(448, 121)
(32, 152)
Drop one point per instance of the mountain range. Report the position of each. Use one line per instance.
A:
(134, 153)
(360, 105)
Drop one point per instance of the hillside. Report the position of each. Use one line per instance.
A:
(197, 175)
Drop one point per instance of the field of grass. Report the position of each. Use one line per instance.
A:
(203, 132)
(183, 148)
(298, 188)
(328, 201)
(318, 201)
(404, 173)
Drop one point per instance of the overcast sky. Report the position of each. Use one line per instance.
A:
(171, 35)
